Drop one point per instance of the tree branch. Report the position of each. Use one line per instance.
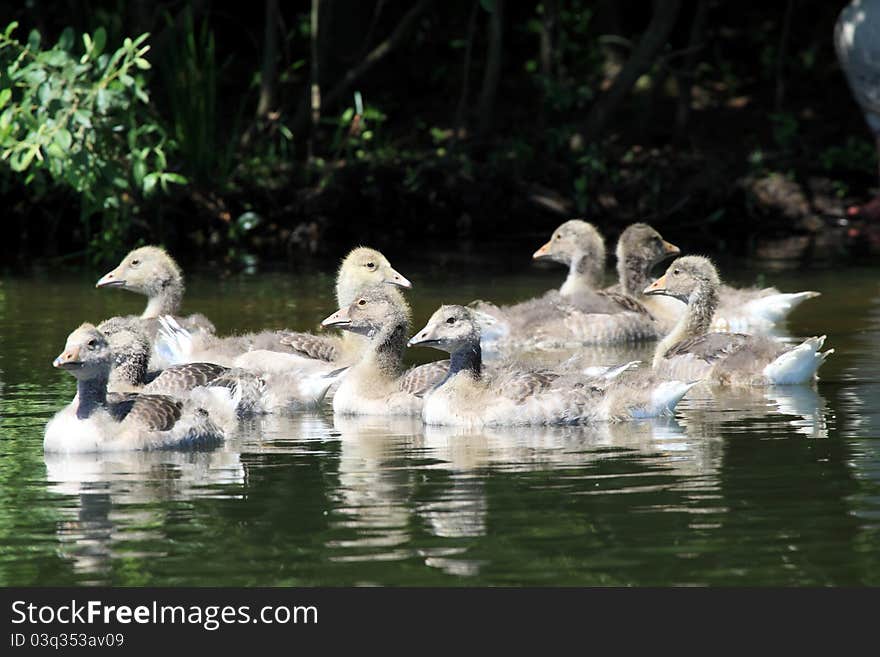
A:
(376, 54)
(654, 38)
(493, 67)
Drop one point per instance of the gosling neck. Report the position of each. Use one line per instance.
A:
(584, 275)
(166, 301)
(387, 349)
(91, 394)
(634, 273)
(696, 320)
(467, 360)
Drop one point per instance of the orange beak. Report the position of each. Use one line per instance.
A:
(657, 287)
(670, 249)
(543, 252)
(66, 358)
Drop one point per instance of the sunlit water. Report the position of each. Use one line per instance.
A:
(759, 487)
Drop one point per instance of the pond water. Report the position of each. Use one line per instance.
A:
(756, 487)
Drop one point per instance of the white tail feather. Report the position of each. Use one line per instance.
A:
(664, 399)
(173, 342)
(799, 365)
(609, 372)
(776, 307)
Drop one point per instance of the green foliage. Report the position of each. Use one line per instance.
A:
(785, 130)
(575, 61)
(593, 167)
(190, 80)
(356, 129)
(856, 154)
(79, 120)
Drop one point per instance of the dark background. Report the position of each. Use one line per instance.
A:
(486, 124)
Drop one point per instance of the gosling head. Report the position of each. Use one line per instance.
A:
(572, 240)
(645, 243)
(364, 268)
(450, 329)
(87, 354)
(148, 270)
(684, 276)
(127, 341)
(370, 312)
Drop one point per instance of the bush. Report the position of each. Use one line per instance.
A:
(82, 120)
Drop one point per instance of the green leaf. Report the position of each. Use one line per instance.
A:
(65, 41)
(56, 152)
(83, 118)
(150, 181)
(62, 138)
(34, 40)
(99, 40)
(5, 95)
(10, 29)
(175, 178)
(138, 172)
(6, 117)
(248, 221)
(22, 159)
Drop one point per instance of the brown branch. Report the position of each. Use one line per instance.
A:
(379, 52)
(654, 38)
(314, 80)
(780, 55)
(373, 57)
(493, 67)
(466, 72)
(269, 71)
(686, 76)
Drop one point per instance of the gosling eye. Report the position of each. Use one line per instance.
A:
(371, 265)
(135, 262)
(657, 240)
(451, 320)
(676, 272)
(362, 302)
(93, 343)
(558, 237)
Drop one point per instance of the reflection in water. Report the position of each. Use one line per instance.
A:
(114, 494)
(775, 486)
(374, 486)
(707, 412)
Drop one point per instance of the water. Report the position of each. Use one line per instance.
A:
(755, 487)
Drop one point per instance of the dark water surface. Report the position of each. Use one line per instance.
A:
(756, 487)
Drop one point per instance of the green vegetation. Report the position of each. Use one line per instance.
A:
(262, 129)
(79, 118)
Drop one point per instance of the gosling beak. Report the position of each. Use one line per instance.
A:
(657, 287)
(422, 338)
(670, 249)
(110, 279)
(394, 278)
(339, 319)
(543, 252)
(69, 359)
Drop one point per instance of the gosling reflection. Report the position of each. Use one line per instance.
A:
(279, 432)
(112, 492)
(460, 509)
(375, 486)
(709, 412)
